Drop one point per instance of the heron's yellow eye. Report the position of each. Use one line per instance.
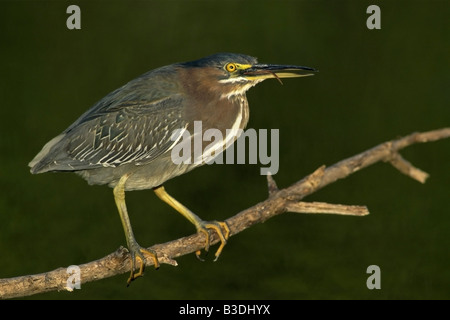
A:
(231, 67)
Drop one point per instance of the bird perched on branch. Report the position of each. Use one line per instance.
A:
(125, 139)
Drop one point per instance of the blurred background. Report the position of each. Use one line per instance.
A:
(373, 86)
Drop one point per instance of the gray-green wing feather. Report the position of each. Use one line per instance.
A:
(138, 133)
(132, 124)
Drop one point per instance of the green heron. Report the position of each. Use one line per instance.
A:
(125, 139)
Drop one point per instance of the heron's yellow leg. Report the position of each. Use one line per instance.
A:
(136, 251)
(220, 227)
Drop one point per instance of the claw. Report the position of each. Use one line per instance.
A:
(136, 252)
(198, 253)
(208, 237)
(217, 226)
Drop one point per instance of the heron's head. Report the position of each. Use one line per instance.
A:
(233, 74)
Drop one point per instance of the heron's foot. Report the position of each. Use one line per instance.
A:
(222, 230)
(137, 254)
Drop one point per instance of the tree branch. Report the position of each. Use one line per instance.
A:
(278, 202)
(326, 208)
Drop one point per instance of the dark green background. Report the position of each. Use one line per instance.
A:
(373, 85)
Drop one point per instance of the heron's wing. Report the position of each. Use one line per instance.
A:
(110, 135)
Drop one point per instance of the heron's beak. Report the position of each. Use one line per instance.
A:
(266, 71)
